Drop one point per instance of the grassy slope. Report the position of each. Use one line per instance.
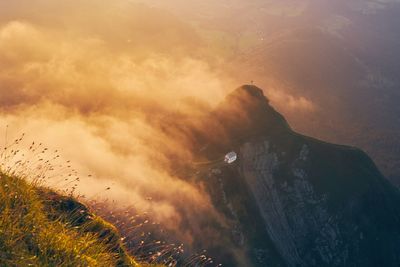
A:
(41, 228)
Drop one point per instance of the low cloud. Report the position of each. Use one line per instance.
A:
(105, 107)
(288, 102)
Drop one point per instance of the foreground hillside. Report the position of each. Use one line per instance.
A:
(41, 228)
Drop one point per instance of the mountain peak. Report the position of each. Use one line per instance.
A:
(248, 94)
(251, 90)
(290, 189)
(247, 111)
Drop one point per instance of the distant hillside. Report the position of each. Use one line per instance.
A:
(39, 227)
(341, 55)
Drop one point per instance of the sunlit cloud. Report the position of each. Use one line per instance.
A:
(101, 105)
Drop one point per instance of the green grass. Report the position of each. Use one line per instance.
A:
(39, 227)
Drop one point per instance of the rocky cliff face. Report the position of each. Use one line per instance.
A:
(295, 201)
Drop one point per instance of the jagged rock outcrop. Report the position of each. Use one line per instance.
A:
(296, 201)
